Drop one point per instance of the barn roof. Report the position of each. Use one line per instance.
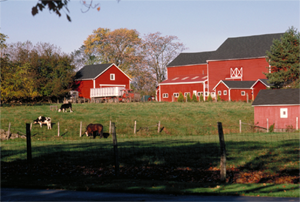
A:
(91, 71)
(236, 84)
(277, 97)
(190, 59)
(245, 47)
(185, 79)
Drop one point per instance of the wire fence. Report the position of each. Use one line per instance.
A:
(158, 146)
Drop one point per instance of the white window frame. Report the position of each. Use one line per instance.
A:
(219, 92)
(283, 113)
(243, 93)
(186, 93)
(165, 95)
(224, 92)
(206, 94)
(195, 92)
(112, 77)
(176, 95)
(199, 94)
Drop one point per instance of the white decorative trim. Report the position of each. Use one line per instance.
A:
(182, 83)
(117, 85)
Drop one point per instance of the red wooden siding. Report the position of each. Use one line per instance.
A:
(84, 87)
(176, 88)
(236, 94)
(220, 70)
(257, 87)
(187, 70)
(272, 113)
(221, 87)
(120, 78)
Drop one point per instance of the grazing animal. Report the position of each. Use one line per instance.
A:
(94, 129)
(65, 107)
(43, 121)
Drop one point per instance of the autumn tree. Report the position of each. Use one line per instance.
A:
(283, 58)
(3, 45)
(159, 51)
(119, 46)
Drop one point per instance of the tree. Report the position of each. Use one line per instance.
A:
(188, 98)
(194, 98)
(80, 58)
(159, 51)
(2, 43)
(283, 58)
(209, 98)
(180, 97)
(201, 98)
(119, 46)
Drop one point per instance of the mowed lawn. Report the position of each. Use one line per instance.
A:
(185, 153)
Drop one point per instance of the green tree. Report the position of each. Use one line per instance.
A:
(218, 98)
(283, 58)
(180, 97)
(201, 98)
(189, 99)
(209, 98)
(119, 46)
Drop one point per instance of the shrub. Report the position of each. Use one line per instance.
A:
(180, 97)
(209, 99)
(194, 98)
(218, 98)
(271, 128)
(189, 99)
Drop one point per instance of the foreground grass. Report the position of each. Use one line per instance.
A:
(184, 159)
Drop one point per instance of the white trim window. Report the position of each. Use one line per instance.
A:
(283, 112)
(112, 77)
(165, 95)
(176, 95)
(243, 93)
(219, 92)
(194, 92)
(206, 94)
(224, 92)
(186, 93)
(200, 93)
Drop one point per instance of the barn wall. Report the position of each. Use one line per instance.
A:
(235, 94)
(187, 70)
(252, 70)
(120, 78)
(257, 87)
(221, 87)
(272, 113)
(170, 89)
(83, 87)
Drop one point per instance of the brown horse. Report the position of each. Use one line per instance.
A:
(94, 129)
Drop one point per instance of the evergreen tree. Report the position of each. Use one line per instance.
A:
(209, 99)
(180, 97)
(218, 98)
(189, 99)
(284, 60)
(194, 98)
(201, 98)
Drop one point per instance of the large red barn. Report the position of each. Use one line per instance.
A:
(280, 107)
(237, 59)
(100, 76)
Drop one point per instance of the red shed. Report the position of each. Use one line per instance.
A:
(100, 76)
(279, 107)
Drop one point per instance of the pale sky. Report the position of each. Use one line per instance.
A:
(200, 25)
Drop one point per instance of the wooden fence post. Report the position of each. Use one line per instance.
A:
(267, 125)
(247, 98)
(240, 126)
(58, 129)
(28, 141)
(80, 129)
(114, 136)
(297, 123)
(134, 130)
(109, 130)
(8, 131)
(223, 153)
(30, 126)
(158, 128)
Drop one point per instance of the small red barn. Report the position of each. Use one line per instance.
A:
(280, 107)
(100, 76)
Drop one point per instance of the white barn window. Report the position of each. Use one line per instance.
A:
(176, 94)
(283, 112)
(225, 92)
(243, 93)
(165, 95)
(112, 77)
(219, 92)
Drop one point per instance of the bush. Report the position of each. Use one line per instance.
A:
(218, 98)
(189, 99)
(209, 99)
(271, 128)
(194, 98)
(180, 97)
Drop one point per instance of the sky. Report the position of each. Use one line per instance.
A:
(200, 25)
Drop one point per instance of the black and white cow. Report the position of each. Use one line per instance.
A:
(43, 121)
(65, 107)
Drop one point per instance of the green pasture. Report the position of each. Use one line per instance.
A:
(190, 143)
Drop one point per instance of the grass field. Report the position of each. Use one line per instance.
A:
(182, 159)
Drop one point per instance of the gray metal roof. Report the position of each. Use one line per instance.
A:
(245, 47)
(277, 97)
(190, 59)
(91, 71)
(239, 84)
